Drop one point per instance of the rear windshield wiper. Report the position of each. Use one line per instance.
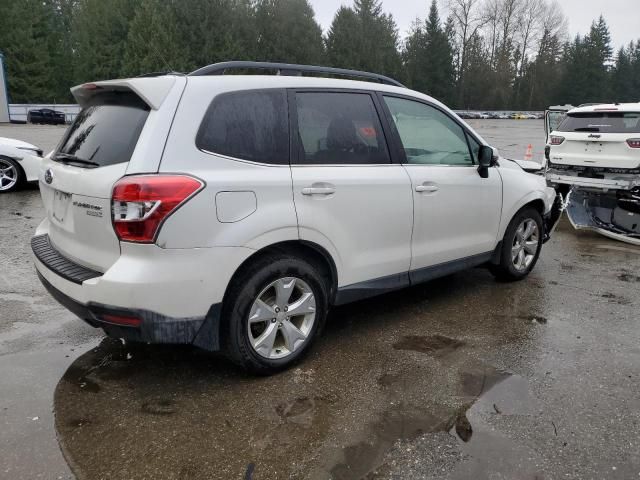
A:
(586, 129)
(67, 158)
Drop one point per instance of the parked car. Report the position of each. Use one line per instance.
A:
(232, 212)
(46, 116)
(593, 161)
(19, 163)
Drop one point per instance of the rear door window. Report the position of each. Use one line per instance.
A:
(336, 128)
(603, 122)
(107, 129)
(249, 125)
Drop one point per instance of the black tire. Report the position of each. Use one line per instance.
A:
(505, 270)
(19, 173)
(245, 289)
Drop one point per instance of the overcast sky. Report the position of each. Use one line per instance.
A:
(621, 15)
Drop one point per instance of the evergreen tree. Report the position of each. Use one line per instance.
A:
(342, 38)
(622, 80)
(364, 38)
(541, 78)
(100, 32)
(218, 30)
(154, 42)
(288, 32)
(597, 59)
(25, 33)
(428, 58)
(477, 72)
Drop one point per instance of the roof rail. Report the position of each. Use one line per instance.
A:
(159, 74)
(292, 70)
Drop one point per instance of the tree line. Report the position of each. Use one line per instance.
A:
(486, 54)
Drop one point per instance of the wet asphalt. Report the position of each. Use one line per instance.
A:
(460, 378)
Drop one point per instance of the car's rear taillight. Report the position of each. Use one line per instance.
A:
(634, 142)
(141, 203)
(122, 320)
(556, 140)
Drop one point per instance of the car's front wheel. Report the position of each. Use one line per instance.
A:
(273, 312)
(521, 246)
(10, 175)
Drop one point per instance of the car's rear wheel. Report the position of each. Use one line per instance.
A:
(521, 246)
(273, 313)
(11, 176)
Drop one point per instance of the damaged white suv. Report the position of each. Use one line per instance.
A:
(232, 211)
(593, 155)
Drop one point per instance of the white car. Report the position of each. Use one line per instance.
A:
(233, 211)
(593, 160)
(19, 163)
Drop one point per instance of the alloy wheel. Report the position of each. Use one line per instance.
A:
(8, 175)
(281, 318)
(525, 244)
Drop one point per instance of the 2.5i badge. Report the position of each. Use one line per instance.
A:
(91, 210)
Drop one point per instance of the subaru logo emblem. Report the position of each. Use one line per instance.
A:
(48, 176)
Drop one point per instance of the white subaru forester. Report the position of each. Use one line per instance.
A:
(232, 211)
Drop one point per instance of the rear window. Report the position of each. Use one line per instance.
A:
(605, 122)
(249, 125)
(106, 131)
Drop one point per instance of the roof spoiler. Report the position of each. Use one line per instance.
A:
(151, 90)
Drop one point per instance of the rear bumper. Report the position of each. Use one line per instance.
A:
(173, 295)
(202, 332)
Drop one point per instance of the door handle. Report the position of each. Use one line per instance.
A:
(318, 191)
(427, 188)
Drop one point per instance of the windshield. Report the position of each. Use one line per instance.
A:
(604, 122)
(105, 132)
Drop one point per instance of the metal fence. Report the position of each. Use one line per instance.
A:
(18, 111)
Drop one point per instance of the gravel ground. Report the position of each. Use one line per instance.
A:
(460, 378)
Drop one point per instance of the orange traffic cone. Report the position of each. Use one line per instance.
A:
(529, 154)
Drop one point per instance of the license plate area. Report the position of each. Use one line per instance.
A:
(61, 202)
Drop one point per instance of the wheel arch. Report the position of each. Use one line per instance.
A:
(532, 200)
(309, 251)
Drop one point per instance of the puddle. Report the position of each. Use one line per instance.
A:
(434, 345)
(619, 249)
(480, 388)
(163, 406)
(487, 452)
(302, 410)
(397, 423)
(613, 298)
(539, 319)
(628, 277)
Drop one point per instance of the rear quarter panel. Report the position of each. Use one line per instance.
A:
(197, 224)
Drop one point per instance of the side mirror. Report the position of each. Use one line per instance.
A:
(485, 159)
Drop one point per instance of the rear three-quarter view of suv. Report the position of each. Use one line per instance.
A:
(232, 212)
